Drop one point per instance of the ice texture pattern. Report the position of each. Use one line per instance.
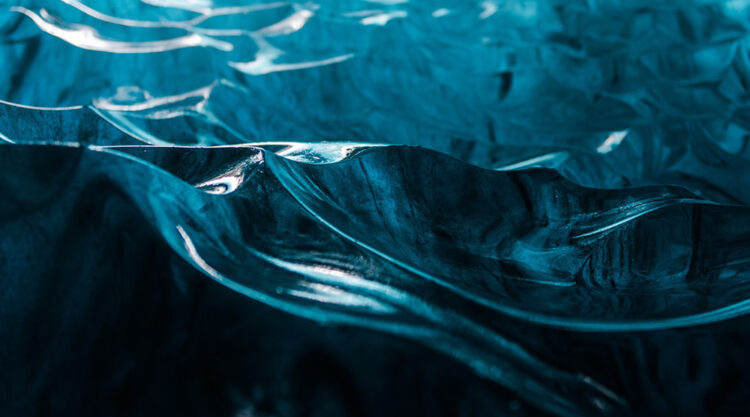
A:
(246, 208)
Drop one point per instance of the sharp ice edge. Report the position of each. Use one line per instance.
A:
(696, 130)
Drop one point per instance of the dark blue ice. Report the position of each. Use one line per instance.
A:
(380, 207)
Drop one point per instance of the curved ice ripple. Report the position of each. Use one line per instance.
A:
(617, 133)
(417, 254)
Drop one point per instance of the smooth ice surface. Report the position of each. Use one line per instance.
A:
(553, 194)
